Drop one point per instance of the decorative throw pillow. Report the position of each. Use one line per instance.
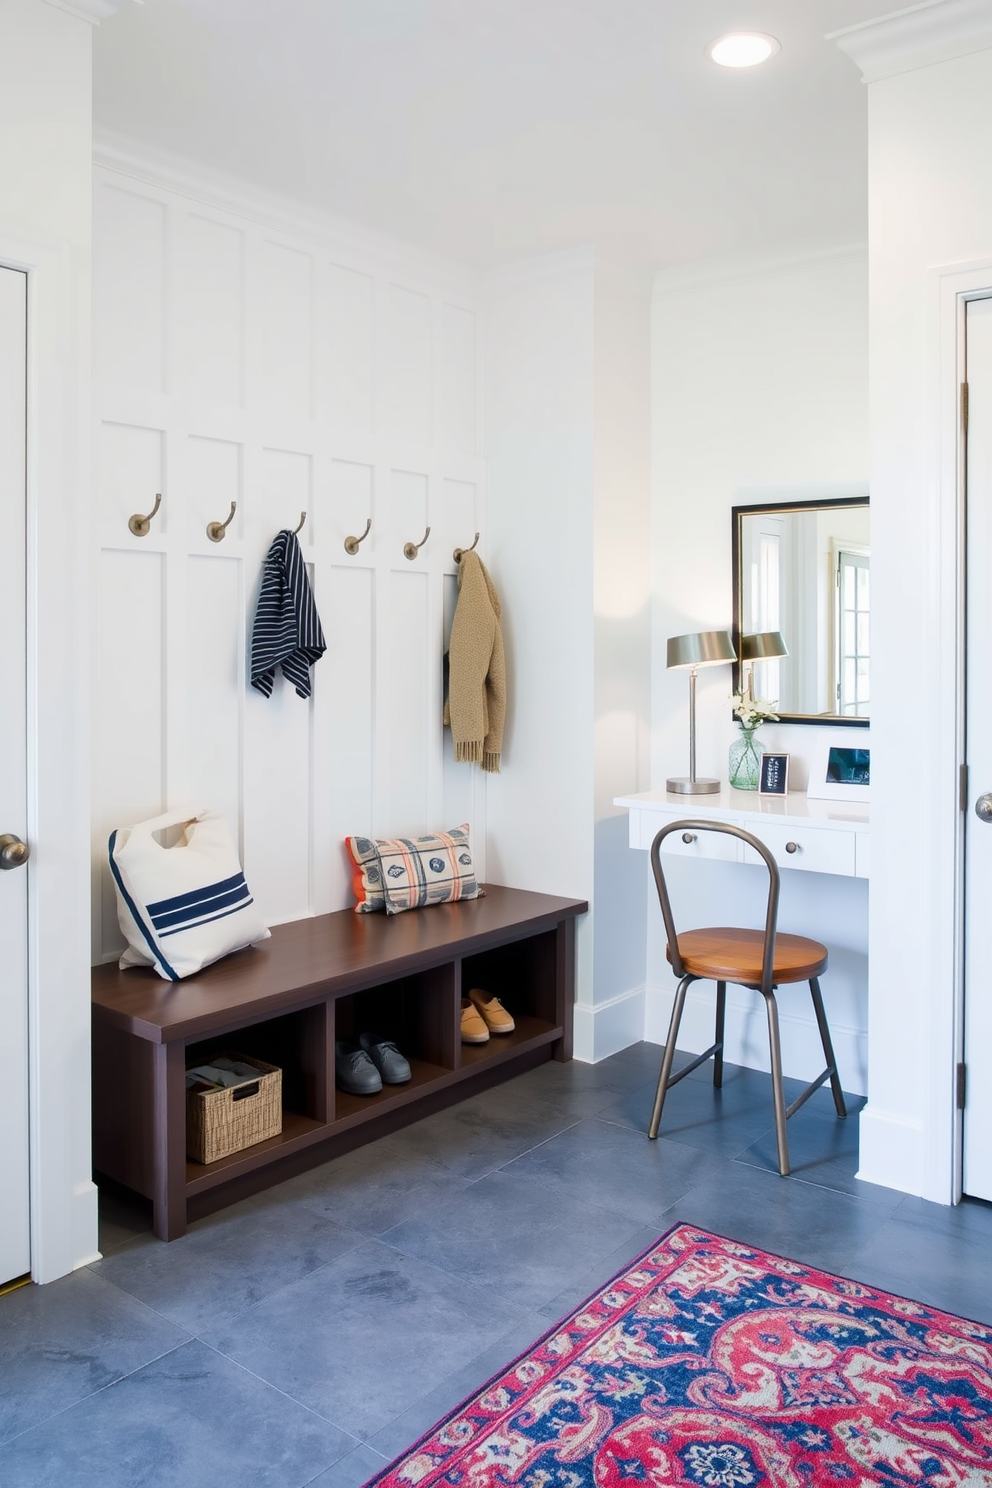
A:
(403, 873)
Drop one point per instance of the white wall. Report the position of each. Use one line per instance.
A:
(759, 394)
(242, 356)
(567, 440)
(540, 400)
(45, 228)
(930, 141)
(622, 663)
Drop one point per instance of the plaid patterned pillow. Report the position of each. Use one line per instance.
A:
(403, 873)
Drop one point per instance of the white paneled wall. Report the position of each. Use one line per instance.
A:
(238, 363)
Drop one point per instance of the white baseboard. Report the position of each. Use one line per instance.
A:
(85, 1224)
(746, 1034)
(891, 1151)
(605, 1028)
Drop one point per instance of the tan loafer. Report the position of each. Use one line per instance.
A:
(474, 1030)
(497, 1019)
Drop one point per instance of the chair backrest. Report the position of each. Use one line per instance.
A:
(774, 884)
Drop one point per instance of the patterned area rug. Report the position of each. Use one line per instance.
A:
(712, 1364)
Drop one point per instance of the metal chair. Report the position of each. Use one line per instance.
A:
(749, 958)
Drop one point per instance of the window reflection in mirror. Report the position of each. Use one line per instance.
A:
(804, 569)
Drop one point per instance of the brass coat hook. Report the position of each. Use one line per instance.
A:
(216, 530)
(352, 544)
(138, 524)
(457, 554)
(299, 527)
(411, 549)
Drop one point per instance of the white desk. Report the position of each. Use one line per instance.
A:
(803, 835)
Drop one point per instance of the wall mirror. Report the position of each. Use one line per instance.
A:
(803, 569)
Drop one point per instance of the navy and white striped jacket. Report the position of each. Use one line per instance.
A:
(287, 629)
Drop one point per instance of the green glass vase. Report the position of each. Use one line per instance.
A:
(745, 760)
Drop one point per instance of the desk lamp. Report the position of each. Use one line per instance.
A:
(706, 648)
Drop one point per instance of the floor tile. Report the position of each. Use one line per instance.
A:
(615, 1168)
(823, 1148)
(593, 1280)
(190, 1420)
(225, 1263)
(725, 1122)
(486, 1131)
(62, 1342)
(365, 1337)
(352, 1471)
(797, 1220)
(458, 1386)
(520, 1239)
(375, 1187)
(946, 1266)
(585, 1089)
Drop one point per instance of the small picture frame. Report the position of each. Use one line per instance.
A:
(840, 771)
(773, 779)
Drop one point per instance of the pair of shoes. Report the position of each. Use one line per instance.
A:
(483, 1014)
(363, 1068)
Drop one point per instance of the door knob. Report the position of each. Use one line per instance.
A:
(13, 852)
(983, 807)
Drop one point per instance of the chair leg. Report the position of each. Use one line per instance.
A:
(828, 1048)
(721, 1018)
(666, 1063)
(778, 1089)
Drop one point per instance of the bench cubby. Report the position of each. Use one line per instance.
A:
(287, 1001)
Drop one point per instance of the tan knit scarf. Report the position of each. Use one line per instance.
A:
(476, 706)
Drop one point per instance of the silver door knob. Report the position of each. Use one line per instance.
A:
(688, 837)
(792, 847)
(983, 807)
(13, 852)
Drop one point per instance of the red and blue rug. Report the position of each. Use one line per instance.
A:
(712, 1364)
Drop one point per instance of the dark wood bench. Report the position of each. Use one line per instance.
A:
(286, 1000)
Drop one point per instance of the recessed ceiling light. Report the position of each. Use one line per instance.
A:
(743, 49)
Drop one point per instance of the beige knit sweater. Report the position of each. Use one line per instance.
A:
(476, 706)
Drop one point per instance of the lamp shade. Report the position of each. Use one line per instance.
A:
(761, 645)
(705, 648)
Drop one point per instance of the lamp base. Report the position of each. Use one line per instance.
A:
(682, 786)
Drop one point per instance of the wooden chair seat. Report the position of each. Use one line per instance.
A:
(726, 955)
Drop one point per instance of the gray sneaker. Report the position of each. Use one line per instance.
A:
(354, 1070)
(387, 1059)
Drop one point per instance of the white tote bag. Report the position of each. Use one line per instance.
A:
(181, 907)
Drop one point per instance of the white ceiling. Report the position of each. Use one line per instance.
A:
(489, 130)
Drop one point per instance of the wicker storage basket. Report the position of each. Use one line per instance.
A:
(219, 1122)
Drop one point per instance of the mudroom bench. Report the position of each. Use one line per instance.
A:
(286, 1000)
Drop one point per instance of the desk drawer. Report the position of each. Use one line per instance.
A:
(808, 849)
(702, 844)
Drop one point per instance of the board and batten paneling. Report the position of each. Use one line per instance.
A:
(283, 372)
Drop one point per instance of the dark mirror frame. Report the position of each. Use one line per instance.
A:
(737, 513)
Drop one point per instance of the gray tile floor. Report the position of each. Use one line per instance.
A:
(308, 1335)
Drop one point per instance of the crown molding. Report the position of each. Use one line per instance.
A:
(93, 11)
(920, 36)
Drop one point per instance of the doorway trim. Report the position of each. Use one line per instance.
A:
(953, 287)
(63, 1197)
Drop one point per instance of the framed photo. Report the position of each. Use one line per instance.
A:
(840, 771)
(774, 777)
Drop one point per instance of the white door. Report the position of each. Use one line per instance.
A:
(15, 1252)
(978, 831)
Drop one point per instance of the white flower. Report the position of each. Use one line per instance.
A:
(751, 711)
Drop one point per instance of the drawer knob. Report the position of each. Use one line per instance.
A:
(688, 837)
(792, 847)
